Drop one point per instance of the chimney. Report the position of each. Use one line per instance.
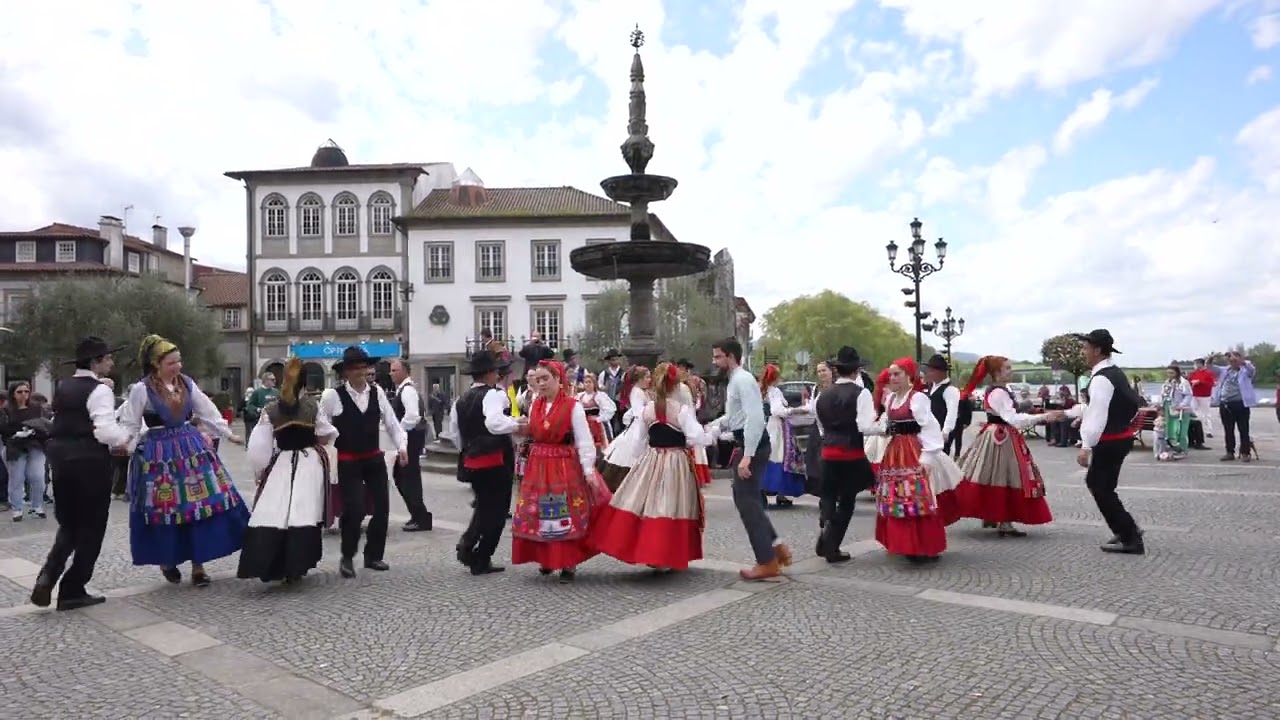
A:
(160, 236)
(468, 190)
(186, 231)
(111, 229)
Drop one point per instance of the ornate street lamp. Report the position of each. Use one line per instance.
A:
(916, 269)
(948, 328)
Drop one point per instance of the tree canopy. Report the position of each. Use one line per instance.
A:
(122, 311)
(1062, 352)
(820, 324)
(689, 321)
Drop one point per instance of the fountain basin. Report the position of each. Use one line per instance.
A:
(640, 259)
(637, 187)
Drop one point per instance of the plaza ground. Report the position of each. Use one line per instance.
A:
(1041, 627)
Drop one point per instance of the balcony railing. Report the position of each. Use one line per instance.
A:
(328, 323)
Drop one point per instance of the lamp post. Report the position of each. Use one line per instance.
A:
(948, 328)
(916, 269)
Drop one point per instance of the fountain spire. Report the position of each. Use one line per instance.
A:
(637, 149)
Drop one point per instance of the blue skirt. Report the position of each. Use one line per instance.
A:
(777, 481)
(214, 537)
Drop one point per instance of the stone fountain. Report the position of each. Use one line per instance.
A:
(640, 261)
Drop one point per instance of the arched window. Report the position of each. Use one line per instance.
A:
(310, 216)
(347, 298)
(382, 291)
(275, 217)
(381, 209)
(275, 298)
(311, 300)
(346, 216)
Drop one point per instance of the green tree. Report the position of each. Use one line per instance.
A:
(121, 311)
(605, 322)
(820, 324)
(1062, 352)
(689, 320)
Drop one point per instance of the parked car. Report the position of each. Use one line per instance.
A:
(793, 392)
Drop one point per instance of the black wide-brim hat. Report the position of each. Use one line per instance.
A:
(937, 362)
(1101, 339)
(92, 347)
(848, 359)
(354, 357)
(484, 362)
(611, 353)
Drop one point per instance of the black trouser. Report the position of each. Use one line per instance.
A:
(1102, 479)
(84, 503)
(956, 438)
(1235, 416)
(119, 474)
(842, 480)
(493, 487)
(358, 479)
(437, 421)
(408, 479)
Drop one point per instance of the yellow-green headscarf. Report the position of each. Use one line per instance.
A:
(153, 350)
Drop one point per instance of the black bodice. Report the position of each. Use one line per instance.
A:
(904, 427)
(295, 437)
(591, 411)
(153, 420)
(662, 435)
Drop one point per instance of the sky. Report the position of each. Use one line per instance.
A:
(1090, 164)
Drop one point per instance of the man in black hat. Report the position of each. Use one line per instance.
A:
(944, 400)
(610, 383)
(1106, 437)
(482, 425)
(845, 414)
(83, 435)
(359, 410)
(573, 369)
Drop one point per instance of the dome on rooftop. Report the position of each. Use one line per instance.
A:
(469, 178)
(329, 155)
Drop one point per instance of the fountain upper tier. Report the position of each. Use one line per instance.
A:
(640, 259)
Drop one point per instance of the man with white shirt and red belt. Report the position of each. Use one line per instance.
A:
(360, 411)
(411, 414)
(845, 415)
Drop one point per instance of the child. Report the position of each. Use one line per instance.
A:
(1161, 446)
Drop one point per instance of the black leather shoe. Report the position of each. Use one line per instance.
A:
(378, 565)
(1134, 547)
(486, 568)
(80, 601)
(42, 593)
(346, 569)
(412, 526)
(838, 556)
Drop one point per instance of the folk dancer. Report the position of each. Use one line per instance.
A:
(600, 411)
(521, 402)
(744, 417)
(183, 505)
(286, 451)
(944, 399)
(411, 412)
(561, 491)
(781, 478)
(845, 414)
(658, 515)
(360, 412)
(1106, 437)
(610, 381)
(915, 484)
(83, 434)
(621, 453)
(482, 424)
(685, 394)
(1002, 484)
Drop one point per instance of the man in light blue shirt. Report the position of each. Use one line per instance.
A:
(1235, 395)
(744, 416)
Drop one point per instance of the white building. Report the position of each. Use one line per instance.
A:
(497, 259)
(325, 259)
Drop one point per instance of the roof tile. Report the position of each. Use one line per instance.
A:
(222, 288)
(526, 202)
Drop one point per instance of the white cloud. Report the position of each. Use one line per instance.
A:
(1265, 31)
(1259, 74)
(1093, 112)
(1258, 141)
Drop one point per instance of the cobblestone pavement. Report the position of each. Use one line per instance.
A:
(1040, 627)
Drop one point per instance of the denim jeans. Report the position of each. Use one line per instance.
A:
(26, 479)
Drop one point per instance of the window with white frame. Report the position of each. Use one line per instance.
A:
(346, 295)
(275, 217)
(153, 263)
(346, 216)
(134, 263)
(382, 294)
(275, 301)
(381, 209)
(310, 217)
(439, 259)
(66, 251)
(25, 251)
(311, 299)
(493, 319)
(599, 241)
(489, 261)
(231, 318)
(546, 259)
(546, 322)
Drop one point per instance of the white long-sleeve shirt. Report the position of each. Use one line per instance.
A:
(601, 400)
(331, 407)
(867, 424)
(999, 400)
(931, 438)
(744, 409)
(101, 406)
(951, 397)
(1094, 416)
(202, 408)
(639, 398)
(495, 405)
(411, 400)
(679, 416)
(582, 440)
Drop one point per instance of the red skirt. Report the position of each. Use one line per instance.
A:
(909, 521)
(657, 516)
(948, 507)
(597, 433)
(554, 510)
(1001, 481)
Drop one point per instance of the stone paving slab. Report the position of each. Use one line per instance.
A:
(809, 652)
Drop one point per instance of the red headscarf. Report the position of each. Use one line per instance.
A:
(557, 368)
(908, 366)
(768, 378)
(882, 386)
(987, 365)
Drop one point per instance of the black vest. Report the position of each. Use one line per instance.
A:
(72, 432)
(397, 404)
(358, 433)
(838, 413)
(938, 403)
(476, 440)
(1124, 401)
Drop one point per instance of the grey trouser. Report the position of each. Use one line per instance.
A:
(746, 497)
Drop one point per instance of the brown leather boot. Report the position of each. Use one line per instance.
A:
(763, 571)
(783, 554)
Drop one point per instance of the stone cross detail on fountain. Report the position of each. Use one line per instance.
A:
(640, 261)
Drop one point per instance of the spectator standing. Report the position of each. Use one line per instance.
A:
(1236, 396)
(1202, 382)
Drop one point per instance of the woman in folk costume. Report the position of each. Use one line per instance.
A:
(621, 453)
(686, 394)
(599, 408)
(784, 475)
(183, 506)
(915, 484)
(521, 402)
(1002, 484)
(286, 453)
(657, 516)
(813, 449)
(875, 444)
(560, 491)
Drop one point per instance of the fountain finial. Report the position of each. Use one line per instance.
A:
(637, 149)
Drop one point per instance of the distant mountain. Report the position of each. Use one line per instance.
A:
(965, 357)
